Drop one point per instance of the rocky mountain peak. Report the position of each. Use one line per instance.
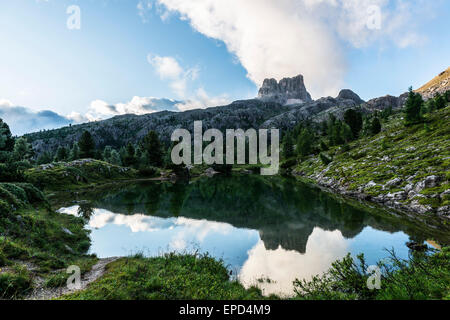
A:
(286, 91)
(439, 84)
(348, 94)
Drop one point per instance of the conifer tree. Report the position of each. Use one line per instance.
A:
(86, 145)
(413, 107)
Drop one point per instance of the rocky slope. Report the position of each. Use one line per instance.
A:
(120, 130)
(404, 168)
(439, 84)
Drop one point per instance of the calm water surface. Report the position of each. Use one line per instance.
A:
(262, 228)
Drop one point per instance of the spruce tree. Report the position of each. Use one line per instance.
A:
(74, 152)
(354, 119)
(106, 155)
(151, 144)
(86, 145)
(62, 154)
(305, 143)
(288, 146)
(22, 149)
(129, 158)
(44, 158)
(6, 138)
(413, 107)
(376, 126)
(440, 101)
(115, 158)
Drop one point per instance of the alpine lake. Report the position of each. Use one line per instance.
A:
(268, 231)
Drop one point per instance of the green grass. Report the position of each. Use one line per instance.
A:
(423, 276)
(171, 277)
(31, 232)
(413, 153)
(81, 173)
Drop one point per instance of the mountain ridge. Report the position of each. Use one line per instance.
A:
(268, 110)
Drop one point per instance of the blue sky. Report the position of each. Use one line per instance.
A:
(205, 53)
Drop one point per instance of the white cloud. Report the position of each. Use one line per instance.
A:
(100, 109)
(201, 100)
(166, 67)
(322, 249)
(169, 69)
(22, 120)
(144, 7)
(179, 79)
(286, 37)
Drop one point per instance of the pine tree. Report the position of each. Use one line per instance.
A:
(6, 138)
(129, 159)
(151, 144)
(106, 155)
(288, 146)
(74, 152)
(447, 95)
(440, 101)
(354, 119)
(305, 143)
(86, 145)
(44, 158)
(335, 131)
(346, 133)
(413, 107)
(375, 126)
(62, 154)
(22, 149)
(115, 158)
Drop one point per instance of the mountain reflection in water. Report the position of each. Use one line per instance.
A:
(263, 228)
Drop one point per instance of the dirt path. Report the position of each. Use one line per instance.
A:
(42, 293)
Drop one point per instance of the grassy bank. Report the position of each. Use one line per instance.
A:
(405, 167)
(423, 276)
(170, 277)
(77, 174)
(36, 242)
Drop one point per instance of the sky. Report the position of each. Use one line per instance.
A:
(72, 61)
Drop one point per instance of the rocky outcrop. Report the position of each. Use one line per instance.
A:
(347, 94)
(288, 91)
(318, 111)
(383, 103)
(440, 84)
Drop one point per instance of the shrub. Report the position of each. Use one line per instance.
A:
(57, 280)
(148, 171)
(423, 276)
(34, 195)
(15, 285)
(326, 160)
(289, 163)
(9, 197)
(18, 192)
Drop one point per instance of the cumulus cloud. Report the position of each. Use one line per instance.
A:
(22, 120)
(99, 109)
(201, 100)
(322, 249)
(288, 37)
(169, 69)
